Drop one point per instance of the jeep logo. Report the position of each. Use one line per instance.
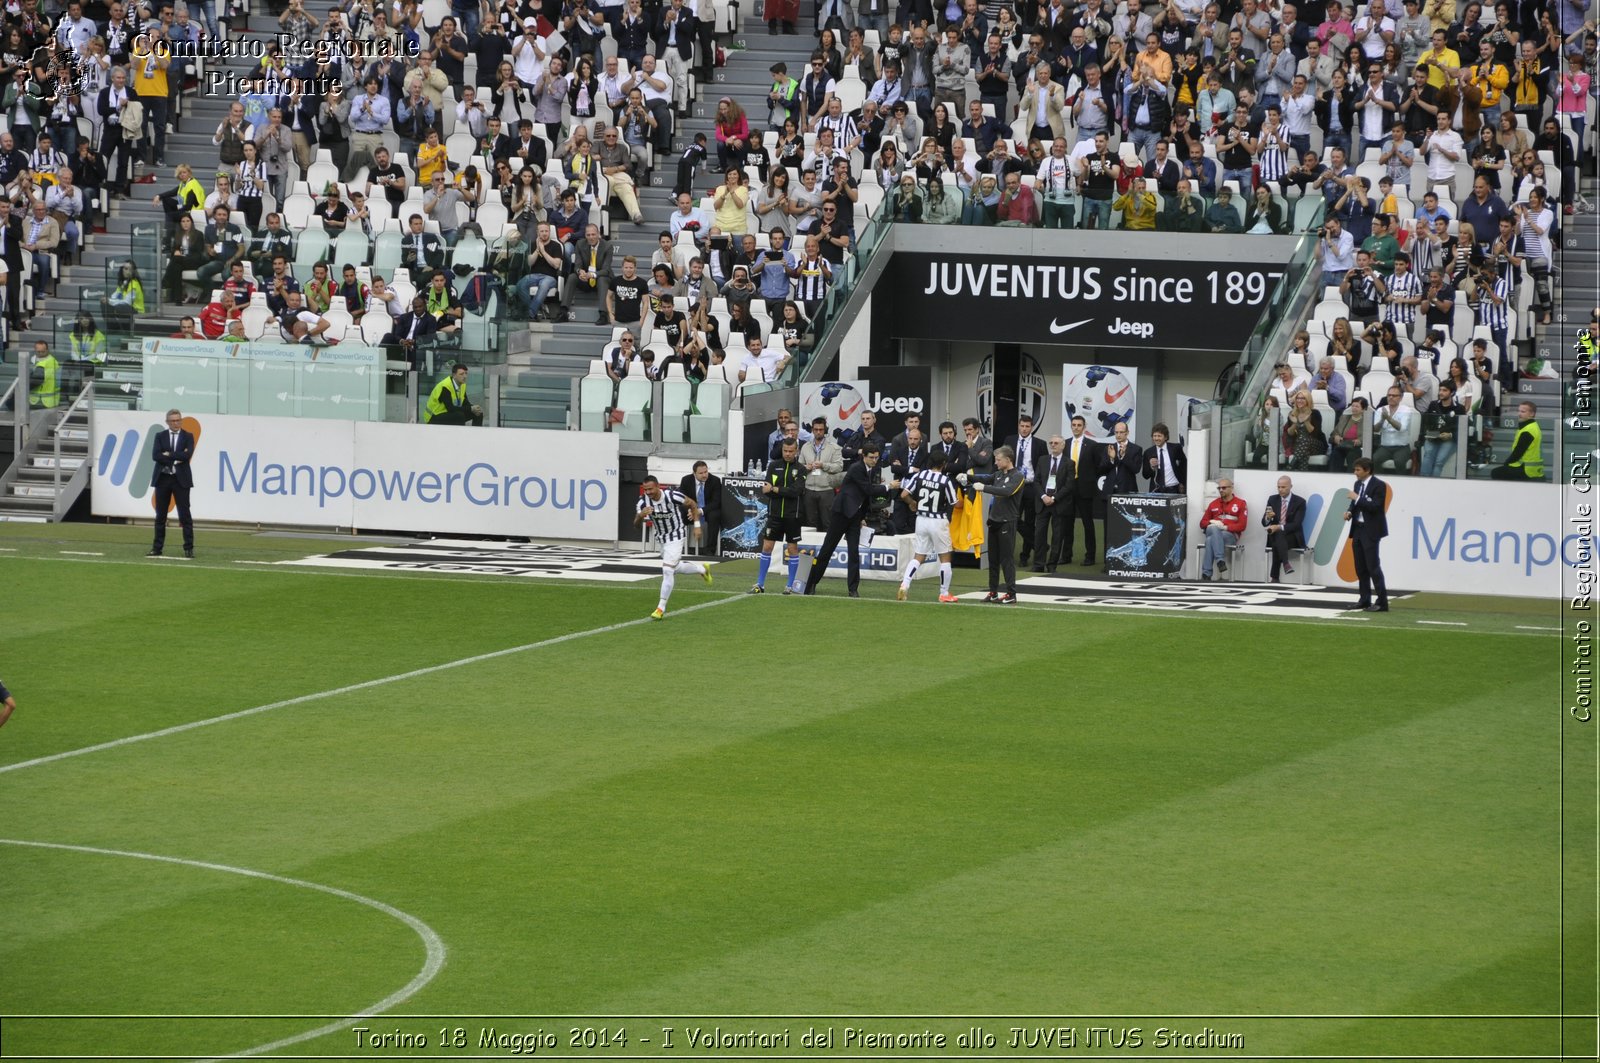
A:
(882, 403)
(1142, 329)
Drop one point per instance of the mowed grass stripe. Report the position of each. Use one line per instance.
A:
(147, 654)
(1331, 882)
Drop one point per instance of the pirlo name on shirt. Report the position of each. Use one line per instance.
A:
(1034, 280)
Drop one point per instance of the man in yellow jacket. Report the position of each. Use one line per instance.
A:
(152, 55)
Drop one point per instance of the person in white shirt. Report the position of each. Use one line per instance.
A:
(1534, 220)
(1337, 251)
(1443, 148)
(1374, 30)
(1393, 422)
(1054, 182)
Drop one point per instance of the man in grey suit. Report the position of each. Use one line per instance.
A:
(591, 270)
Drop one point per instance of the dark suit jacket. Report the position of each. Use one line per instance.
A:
(1041, 475)
(861, 485)
(1291, 514)
(959, 460)
(602, 260)
(1122, 477)
(1091, 462)
(687, 29)
(1372, 506)
(1180, 464)
(713, 494)
(427, 325)
(174, 463)
(902, 459)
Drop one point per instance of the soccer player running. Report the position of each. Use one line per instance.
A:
(662, 509)
(931, 495)
(785, 480)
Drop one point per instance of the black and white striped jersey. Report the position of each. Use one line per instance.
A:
(935, 493)
(667, 514)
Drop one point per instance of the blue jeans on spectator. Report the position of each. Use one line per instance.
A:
(1144, 143)
(922, 100)
(1365, 144)
(1246, 186)
(1300, 143)
(1096, 208)
(1218, 539)
(1337, 140)
(1088, 134)
(1058, 214)
(468, 17)
(208, 17)
(1333, 277)
(1438, 458)
(533, 290)
(876, 22)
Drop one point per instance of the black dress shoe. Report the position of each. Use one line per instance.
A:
(1049, 568)
(1089, 562)
(153, 553)
(1377, 608)
(1036, 568)
(855, 594)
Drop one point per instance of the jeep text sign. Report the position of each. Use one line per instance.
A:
(894, 392)
(1178, 305)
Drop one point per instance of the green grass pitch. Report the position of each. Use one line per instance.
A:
(1311, 835)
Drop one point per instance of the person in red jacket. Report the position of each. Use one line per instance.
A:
(1222, 525)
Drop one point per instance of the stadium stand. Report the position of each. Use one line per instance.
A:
(394, 167)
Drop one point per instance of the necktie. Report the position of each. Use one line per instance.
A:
(174, 442)
(1164, 467)
(700, 494)
(1121, 447)
(1053, 463)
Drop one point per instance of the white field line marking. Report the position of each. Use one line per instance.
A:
(430, 940)
(1527, 627)
(1444, 623)
(353, 687)
(83, 553)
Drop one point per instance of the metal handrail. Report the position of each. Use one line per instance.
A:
(81, 400)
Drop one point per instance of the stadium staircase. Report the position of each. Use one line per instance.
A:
(1577, 293)
(545, 359)
(52, 468)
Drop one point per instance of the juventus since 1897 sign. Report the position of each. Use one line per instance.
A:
(1146, 304)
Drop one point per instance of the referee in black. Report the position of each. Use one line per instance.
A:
(1005, 486)
(850, 505)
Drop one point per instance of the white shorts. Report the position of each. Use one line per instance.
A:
(932, 537)
(671, 553)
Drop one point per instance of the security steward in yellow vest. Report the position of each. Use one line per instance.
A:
(45, 380)
(1526, 461)
(448, 404)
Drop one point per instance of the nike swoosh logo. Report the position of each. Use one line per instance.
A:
(845, 414)
(1058, 329)
(1118, 395)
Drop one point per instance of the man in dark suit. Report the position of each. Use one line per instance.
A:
(956, 458)
(1083, 458)
(706, 490)
(1052, 473)
(11, 252)
(905, 458)
(410, 330)
(1284, 518)
(172, 451)
(1166, 466)
(591, 269)
(114, 142)
(1028, 448)
(861, 485)
(1119, 468)
(1368, 526)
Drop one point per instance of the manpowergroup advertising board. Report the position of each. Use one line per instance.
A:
(355, 474)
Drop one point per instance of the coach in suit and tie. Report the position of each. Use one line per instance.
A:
(1053, 474)
(172, 451)
(1368, 527)
(861, 485)
(1284, 517)
(1166, 466)
(905, 458)
(1119, 468)
(1028, 449)
(706, 491)
(1085, 458)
